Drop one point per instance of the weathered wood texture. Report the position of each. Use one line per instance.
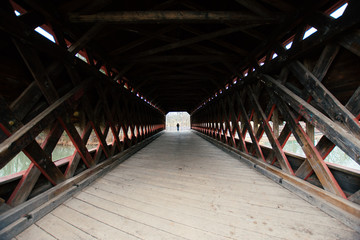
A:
(85, 99)
(179, 187)
(298, 94)
(132, 40)
(26, 214)
(116, 68)
(172, 16)
(23, 139)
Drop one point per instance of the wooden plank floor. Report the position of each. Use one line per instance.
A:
(182, 187)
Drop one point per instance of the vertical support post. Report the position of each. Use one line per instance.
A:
(275, 120)
(256, 122)
(310, 131)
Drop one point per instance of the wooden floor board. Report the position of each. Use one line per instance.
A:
(217, 208)
(164, 223)
(241, 176)
(223, 220)
(86, 223)
(216, 203)
(205, 185)
(61, 229)
(216, 192)
(183, 216)
(182, 187)
(141, 230)
(34, 232)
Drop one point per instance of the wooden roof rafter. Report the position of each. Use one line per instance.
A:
(190, 42)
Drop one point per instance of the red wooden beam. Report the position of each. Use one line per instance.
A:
(77, 141)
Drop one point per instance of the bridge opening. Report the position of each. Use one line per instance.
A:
(174, 118)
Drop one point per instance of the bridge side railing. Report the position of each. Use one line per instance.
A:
(298, 90)
(63, 98)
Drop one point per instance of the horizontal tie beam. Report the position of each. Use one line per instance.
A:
(129, 17)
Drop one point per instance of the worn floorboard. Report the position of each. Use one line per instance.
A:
(182, 187)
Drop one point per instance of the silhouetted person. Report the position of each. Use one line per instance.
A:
(177, 126)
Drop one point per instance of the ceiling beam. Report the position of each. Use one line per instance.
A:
(141, 41)
(181, 88)
(282, 5)
(249, 32)
(196, 39)
(181, 58)
(191, 83)
(219, 42)
(95, 5)
(255, 7)
(187, 77)
(135, 17)
(180, 68)
(178, 96)
(170, 72)
(164, 5)
(196, 47)
(148, 80)
(173, 70)
(80, 44)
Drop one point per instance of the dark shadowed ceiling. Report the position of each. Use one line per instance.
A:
(174, 53)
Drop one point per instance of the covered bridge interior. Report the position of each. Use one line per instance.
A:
(252, 74)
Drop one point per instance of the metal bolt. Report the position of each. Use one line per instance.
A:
(339, 117)
(11, 122)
